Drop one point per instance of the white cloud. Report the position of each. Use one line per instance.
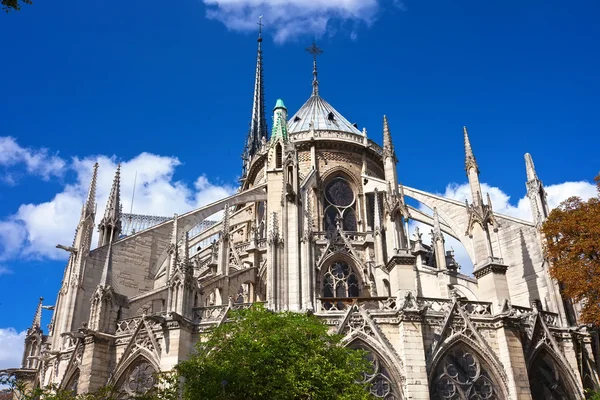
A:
(35, 229)
(288, 19)
(502, 205)
(38, 162)
(5, 270)
(11, 348)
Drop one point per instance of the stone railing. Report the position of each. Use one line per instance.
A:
(127, 326)
(433, 304)
(472, 308)
(210, 313)
(550, 318)
(519, 311)
(217, 313)
(475, 308)
(242, 247)
(340, 304)
(356, 237)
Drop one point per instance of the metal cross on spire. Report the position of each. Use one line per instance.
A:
(315, 51)
(260, 25)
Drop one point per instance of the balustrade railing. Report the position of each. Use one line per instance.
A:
(550, 318)
(340, 304)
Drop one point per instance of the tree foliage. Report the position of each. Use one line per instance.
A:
(8, 5)
(167, 389)
(267, 355)
(573, 246)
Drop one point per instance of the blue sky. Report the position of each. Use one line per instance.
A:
(167, 91)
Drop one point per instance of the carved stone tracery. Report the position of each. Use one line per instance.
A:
(137, 379)
(460, 375)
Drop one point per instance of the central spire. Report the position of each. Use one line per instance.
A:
(258, 123)
(315, 51)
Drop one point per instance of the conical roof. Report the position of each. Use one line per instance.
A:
(322, 116)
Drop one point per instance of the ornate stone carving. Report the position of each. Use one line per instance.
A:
(460, 375)
(137, 379)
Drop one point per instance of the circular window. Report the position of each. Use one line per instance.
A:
(340, 203)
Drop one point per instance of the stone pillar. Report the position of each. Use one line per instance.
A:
(493, 286)
(510, 353)
(402, 267)
(412, 350)
(95, 364)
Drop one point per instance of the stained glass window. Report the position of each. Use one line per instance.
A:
(545, 379)
(340, 204)
(379, 378)
(138, 379)
(460, 375)
(340, 281)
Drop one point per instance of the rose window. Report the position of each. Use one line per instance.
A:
(461, 376)
(138, 380)
(340, 204)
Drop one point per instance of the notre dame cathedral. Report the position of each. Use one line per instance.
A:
(320, 224)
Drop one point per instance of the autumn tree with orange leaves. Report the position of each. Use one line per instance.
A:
(572, 234)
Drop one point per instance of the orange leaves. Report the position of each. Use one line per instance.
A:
(572, 234)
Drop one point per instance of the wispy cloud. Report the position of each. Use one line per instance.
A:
(36, 161)
(290, 19)
(36, 228)
(501, 203)
(11, 347)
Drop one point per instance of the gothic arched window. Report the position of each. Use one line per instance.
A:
(71, 386)
(339, 205)
(137, 379)
(378, 377)
(460, 375)
(339, 281)
(545, 379)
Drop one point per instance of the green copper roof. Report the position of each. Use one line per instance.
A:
(279, 104)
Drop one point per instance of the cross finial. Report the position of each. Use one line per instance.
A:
(260, 25)
(315, 51)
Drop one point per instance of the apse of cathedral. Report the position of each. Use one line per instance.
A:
(320, 224)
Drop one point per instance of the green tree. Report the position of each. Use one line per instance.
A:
(8, 5)
(573, 246)
(265, 355)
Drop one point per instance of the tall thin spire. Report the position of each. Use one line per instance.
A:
(388, 145)
(469, 156)
(258, 123)
(90, 203)
(110, 225)
(36, 324)
(315, 51)
(437, 229)
(531, 174)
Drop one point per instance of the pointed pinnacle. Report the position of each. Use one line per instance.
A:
(388, 145)
(90, 203)
(531, 174)
(436, 221)
(37, 318)
(470, 161)
(376, 211)
(258, 122)
(113, 206)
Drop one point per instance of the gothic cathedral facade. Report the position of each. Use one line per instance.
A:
(320, 224)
